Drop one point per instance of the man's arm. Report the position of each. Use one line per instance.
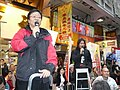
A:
(51, 55)
(21, 41)
(51, 60)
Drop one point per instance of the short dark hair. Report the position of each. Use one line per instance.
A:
(101, 85)
(32, 11)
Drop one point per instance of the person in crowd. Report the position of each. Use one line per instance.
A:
(110, 58)
(2, 83)
(82, 59)
(36, 53)
(94, 74)
(61, 80)
(102, 59)
(105, 76)
(13, 78)
(71, 74)
(9, 80)
(55, 73)
(101, 85)
(103, 66)
(60, 61)
(116, 73)
(4, 67)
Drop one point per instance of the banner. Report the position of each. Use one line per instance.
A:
(64, 23)
(54, 36)
(117, 53)
(67, 58)
(82, 28)
(95, 55)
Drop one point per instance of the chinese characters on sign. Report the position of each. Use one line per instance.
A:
(64, 23)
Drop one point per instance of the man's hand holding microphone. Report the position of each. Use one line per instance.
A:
(36, 30)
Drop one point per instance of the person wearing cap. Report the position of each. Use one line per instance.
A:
(36, 54)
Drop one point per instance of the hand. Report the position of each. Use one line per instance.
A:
(69, 83)
(61, 84)
(81, 50)
(44, 73)
(35, 29)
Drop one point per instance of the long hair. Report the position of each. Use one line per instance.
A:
(60, 69)
(78, 42)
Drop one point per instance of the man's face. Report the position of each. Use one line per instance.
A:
(2, 61)
(34, 17)
(12, 67)
(105, 72)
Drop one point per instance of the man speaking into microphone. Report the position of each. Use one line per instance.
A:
(82, 59)
(36, 54)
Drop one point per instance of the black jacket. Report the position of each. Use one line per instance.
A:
(33, 53)
(76, 57)
(58, 80)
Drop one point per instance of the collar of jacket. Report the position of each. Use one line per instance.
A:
(28, 28)
(43, 32)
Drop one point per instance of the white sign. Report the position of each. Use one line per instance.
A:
(118, 56)
(54, 36)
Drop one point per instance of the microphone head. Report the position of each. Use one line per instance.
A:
(82, 46)
(36, 23)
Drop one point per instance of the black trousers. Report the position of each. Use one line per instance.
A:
(36, 85)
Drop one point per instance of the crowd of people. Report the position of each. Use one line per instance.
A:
(7, 76)
(105, 81)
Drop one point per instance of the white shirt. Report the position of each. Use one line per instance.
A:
(62, 80)
(113, 85)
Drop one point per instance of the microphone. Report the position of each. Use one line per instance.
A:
(82, 49)
(37, 33)
(36, 23)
